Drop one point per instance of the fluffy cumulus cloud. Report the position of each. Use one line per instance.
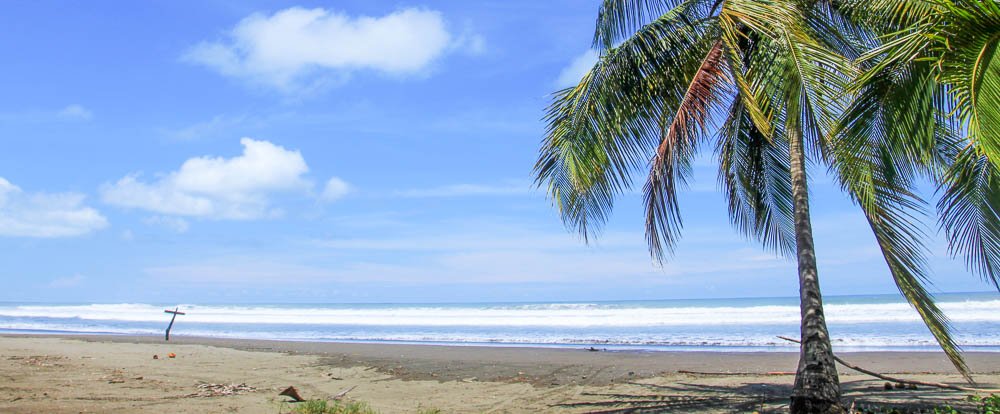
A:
(46, 215)
(580, 65)
(235, 188)
(335, 189)
(297, 47)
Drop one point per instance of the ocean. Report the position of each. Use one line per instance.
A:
(857, 323)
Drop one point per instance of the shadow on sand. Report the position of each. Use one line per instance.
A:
(760, 397)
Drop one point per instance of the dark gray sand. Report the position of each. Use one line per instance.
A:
(558, 366)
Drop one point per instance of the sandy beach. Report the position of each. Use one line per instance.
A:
(97, 374)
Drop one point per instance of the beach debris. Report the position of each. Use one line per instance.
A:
(175, 312)
(116, 376)
(37, 360)
(592, 349)
(341, 394)
(171, 355)
(887, 386)
(901, 381)
(733, 373)
(292, 393)
(218, 390)
(156, 356)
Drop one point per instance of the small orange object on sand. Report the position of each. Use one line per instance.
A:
(171, 355)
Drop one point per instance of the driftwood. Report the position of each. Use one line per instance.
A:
(341, 394)
(293, 394)
(898, 380)
(733, 373)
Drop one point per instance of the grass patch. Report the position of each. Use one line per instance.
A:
(983, 405)
(332, 407)
(343, 407)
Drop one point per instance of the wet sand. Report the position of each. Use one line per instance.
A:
(72, 374)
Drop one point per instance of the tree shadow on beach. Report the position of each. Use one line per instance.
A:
(759, 397)
(687, 397)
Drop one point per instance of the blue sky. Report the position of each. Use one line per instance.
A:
(343, 151)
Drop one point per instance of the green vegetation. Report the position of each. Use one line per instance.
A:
(983, 405)
(342, 407)
(987, 405)
(332, 407)
(885, 94)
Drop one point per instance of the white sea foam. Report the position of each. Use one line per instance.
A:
(632, 341)
(531, 315)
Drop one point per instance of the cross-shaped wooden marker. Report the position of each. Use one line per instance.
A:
(175, 312)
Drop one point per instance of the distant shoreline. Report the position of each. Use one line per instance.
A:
(588, 346)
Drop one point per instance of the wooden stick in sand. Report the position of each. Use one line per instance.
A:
(176, 312)
(341, 394)
(897, 380)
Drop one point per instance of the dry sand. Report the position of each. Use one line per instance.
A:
(101, 374)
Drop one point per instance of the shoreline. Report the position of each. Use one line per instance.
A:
(45, 372)
(594, 346)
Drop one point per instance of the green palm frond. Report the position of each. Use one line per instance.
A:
(788, 65)
(742, 47)
(681, 132)
(907, 123)
(970, 213)
(871, 171)
(601, 131)
(832, 27)
(889, 16)
(755, 176)
(970, 64)
(618, 20)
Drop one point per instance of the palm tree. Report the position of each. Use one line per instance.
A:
(765, 83)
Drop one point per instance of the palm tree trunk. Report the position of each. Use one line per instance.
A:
(817, 386)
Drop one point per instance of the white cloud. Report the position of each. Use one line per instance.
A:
(463, 190)
(335, 189)
(69, 113)
(76, 111)
(175, 224)
(580, 65)
(215, 187)
(217, 126)
(509, 255)
(45, 214)
(67, 282)
(298, 48)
